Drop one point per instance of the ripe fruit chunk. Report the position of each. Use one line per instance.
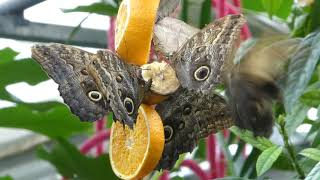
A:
(134, 29)
(135, 153)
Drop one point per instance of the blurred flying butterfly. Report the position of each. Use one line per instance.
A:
(252, 84)
(191, 116)
(93, 84)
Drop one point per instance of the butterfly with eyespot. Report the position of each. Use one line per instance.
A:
(251, 84)
(199, 62)
(188, 116)
(194, 111)
(93, 84)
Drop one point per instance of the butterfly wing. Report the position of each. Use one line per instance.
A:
(166, 7)
(124, 85)
(191, 115)
(252, 83)
(169, 34)
(69, 67)
(200, 61)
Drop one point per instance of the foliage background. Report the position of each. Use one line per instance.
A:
(300, 89)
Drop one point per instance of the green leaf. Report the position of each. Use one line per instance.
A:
(311, 98)
(256, 6)
(271, 6)
(261, 143)
(296, 117)
(97, 8)
(315, 173)
(56, 122)
(283, 163)
(6, 178)
(240, 149)
(314, 20)
(184, 10)
(71, 164)
(205, 13)
(300, 70)
(76, 29)
(26, 70)
(267, 158)
(279, 8)
(6, 55)
(311, 153)
(201, 150)
(249, 164)
(316, 141)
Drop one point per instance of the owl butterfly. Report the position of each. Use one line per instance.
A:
(191, 116)
(201, 59)
(93, 84)
(252, 84)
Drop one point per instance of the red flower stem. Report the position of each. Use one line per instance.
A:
(111, 33)
(164, 175)
(99, 127)
(211, 143)
(94, 141)
(236, 3)
(217, 160)
(221, 8)
(195, 168)
(222, 162)
(245, 32)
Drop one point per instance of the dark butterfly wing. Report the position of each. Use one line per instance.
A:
(200, 61)
(69, 67)
(252, 84)
(188, 116)
(126, 89)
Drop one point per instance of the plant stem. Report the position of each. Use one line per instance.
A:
(94, 141)
(211, 143)
(195, 168)
(111, 33)
(164, 175)
(99, 127)
(230, 9)
(290, 149)
(236, 3)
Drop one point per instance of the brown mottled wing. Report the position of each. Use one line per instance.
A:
(201, 59)
(69, 67)
(123, 84)
(188, 116)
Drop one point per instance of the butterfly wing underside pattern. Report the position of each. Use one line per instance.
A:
(126, 88)
(93, 84)
(68, 67)
(191, 116)
(200, 61)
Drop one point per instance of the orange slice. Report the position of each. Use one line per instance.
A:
(134, 30)
(135, 153)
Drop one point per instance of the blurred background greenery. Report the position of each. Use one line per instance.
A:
(36, 127)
